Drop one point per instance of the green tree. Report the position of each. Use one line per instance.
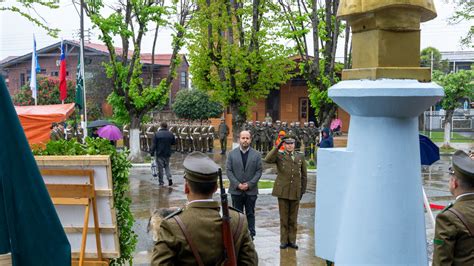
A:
(438, 64)
(196, 105)
(30, 5)
(457, 86)
(315, 19)
(464, 11)
(235, 53)
(48, 92)
(131, 97)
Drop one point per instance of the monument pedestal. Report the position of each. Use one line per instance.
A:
(369, 204)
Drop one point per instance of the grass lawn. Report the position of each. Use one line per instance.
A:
(439, 137)
(262, 183)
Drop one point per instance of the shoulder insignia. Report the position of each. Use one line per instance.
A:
(234, 209)
(174, 213)
(438, 241)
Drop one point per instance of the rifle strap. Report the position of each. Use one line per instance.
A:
(189, 240)
(238, 229)
(463, 220)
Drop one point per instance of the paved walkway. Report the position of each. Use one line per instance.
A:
(147, 196)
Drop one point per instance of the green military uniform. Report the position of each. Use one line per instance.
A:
(223, 131)
(454, 231)
(289, 187)
(203, 225)
(54, 135)
(211, 135)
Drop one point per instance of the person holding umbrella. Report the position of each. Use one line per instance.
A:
(161, 149)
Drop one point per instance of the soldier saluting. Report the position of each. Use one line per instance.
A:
(454, 231)
(193, 234)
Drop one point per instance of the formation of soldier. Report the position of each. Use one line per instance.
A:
(59, 131)
(265, 134)
(190, 136)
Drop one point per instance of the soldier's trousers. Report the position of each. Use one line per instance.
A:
(223, 144)
(288, 220)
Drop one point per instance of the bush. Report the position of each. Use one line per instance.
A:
(48, 92)
(120, 171)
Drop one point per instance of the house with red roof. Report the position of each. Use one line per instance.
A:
(16, 69)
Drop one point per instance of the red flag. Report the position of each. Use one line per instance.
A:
(62, 75)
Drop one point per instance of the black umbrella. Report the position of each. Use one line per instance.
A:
(99, 123)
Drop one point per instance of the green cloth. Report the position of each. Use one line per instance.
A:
(79, 87)
(29, 225)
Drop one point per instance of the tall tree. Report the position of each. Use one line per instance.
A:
(464, 12)
(131, 98)
(315, 19)
(431, 53)
(235, 53)
(457, 86)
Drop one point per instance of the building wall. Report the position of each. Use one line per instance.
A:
(22, 71)
(290, 102)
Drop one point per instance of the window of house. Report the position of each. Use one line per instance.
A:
(22, 80)
(183, 79)
(304, 108)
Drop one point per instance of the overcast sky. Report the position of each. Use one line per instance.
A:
(16, 32)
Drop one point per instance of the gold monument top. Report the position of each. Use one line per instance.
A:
(386, 38)
(354, 7)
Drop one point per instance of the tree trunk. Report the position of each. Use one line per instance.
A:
(447, 129)
(135, 152)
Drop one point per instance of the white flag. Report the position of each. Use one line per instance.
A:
(34, 69)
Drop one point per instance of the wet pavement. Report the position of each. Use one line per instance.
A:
(147, 196)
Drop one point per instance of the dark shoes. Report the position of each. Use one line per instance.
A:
(292, 245)
(170, 182)
(283, 246)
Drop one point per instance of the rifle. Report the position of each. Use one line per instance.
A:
(229, 251)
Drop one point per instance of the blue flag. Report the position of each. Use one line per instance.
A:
(30, 228)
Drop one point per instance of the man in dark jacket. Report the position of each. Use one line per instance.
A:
(161, 149)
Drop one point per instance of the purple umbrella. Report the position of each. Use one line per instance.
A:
(110, 132)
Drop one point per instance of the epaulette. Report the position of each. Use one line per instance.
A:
(447, 207)
(232, 208)
(174, 213)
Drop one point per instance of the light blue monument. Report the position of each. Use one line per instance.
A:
(369, 203)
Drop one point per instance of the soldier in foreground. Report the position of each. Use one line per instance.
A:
(454, 231)
(193, 235)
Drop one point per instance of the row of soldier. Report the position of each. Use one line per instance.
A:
(61, 131)
(189, 136)
(265, 134)
(200, 136)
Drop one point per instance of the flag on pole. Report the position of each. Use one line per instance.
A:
(79, 86)
(35, 68)
(62, 75)
(30, 228)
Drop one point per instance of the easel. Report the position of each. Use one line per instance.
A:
(78, 195)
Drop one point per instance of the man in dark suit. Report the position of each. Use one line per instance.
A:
(454, 230)
(244, 169)
(161, 149)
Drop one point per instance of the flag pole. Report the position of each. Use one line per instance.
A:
(84, 128)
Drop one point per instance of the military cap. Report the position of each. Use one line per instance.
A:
(289, 139)
(463, 165)
(200, 168)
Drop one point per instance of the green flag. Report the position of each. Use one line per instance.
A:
(30, 228)
(79, 86)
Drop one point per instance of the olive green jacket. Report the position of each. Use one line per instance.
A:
(292, 175)
(452, 243)
(203, 223)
